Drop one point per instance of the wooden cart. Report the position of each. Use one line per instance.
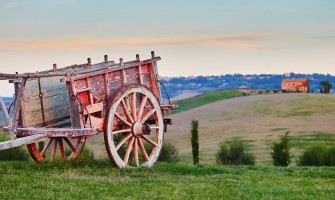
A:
(56, 111)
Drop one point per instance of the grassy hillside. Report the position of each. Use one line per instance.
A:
(98, 180)
(259, 120)
(204, 99)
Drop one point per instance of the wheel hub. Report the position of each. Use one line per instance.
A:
(138, 129)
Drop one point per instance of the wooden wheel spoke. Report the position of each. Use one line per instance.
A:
(54, 150)
(46, 147)
(149, 140)
(122, 120)
(70, 144)
(133, 106)
(141, 108)
(123, 141)
(122, 131)
(53, 146)
(129, 147)
(61, 148)
(136, 152)
(146, 117)
(144, 152)
(126, 111)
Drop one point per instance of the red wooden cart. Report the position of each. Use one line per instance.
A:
(55, 111)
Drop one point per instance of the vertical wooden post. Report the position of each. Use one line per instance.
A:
(124, 75)
(137, 57)
(76, 122)
(88, 61)
(54, 67)
(106, 58)
(16, 119)
(156, 88)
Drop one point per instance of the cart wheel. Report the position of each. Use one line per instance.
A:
(57, 147)
(132, 115)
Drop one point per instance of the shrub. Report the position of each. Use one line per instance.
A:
(234, 153)
(17, 153)
(169, 153)
(281, 151)
(195, 141)
(318, 155)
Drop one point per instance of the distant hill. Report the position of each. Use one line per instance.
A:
(177, 86)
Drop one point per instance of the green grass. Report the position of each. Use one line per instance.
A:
(204, 99)
(303, 141)
(98, 180)
(303, 106)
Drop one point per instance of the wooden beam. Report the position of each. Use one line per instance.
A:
(23, 141)
(96, 122)
(74, 110)
(58, 132)
(108, 69)
(93, 68)
(94, 108)
(17, 108)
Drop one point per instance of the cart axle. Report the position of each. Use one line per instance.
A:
(138, 129)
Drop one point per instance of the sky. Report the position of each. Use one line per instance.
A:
(211, 37)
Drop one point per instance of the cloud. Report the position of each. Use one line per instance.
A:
(62, 1)
(11, 4)
(229, 41)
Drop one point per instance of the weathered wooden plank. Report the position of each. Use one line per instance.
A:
(60, 124)
(76, 120)
(115, 82)
(54, 97)
(94, 122)
(94, 108)
(54, 108)
(116, 67)
(58, 132)
(154, 78)
(50, 86)
(23, 141)
(132, 75)
(17, 108)
(140, 74)
(98, 87)
(92, 69)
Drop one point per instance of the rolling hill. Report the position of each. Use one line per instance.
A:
(259, 120)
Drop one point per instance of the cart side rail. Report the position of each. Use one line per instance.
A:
(75, 70)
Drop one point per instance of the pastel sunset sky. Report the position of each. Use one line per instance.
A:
(211, 37)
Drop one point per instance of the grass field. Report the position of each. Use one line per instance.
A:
(210, 97)
(98, 180)
(259, 120)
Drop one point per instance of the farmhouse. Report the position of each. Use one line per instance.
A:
(295, 85)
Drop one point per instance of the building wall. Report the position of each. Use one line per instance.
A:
(295, 85)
